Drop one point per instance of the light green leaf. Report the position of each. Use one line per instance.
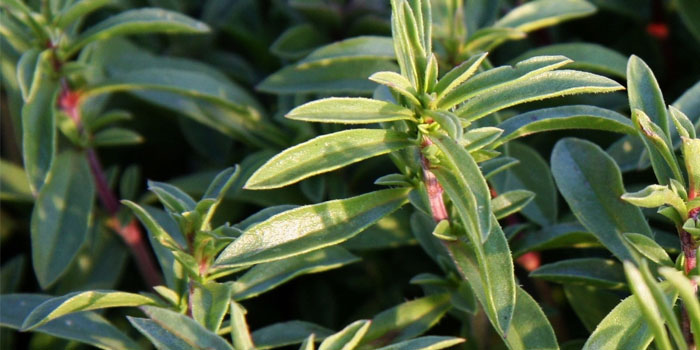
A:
(78, 10)
(348, 338)
(546, 85)
(593, 194)
(287, 333)
(486, 39)
(466, 187)
(240, 333)
(510, 202)
(61, 217)
(654, 196)
(457, 76)
(81, 301)
(348, 110)
(397, 83)
(648, 305)
(297, 41)
(153, 226)
(430, 342)
(624, 327)
(586, 56)
(405, 321)
(84, 327)
(116, 136)
(529, 328)
(325, 153)
(596, 272)
(649, 248)
(563, 235)
(684, 126)
(683, 286)
(691, 152)
(159, 336)
(448, 122)
(494, 166)
(544, 13)
(659, 148)
(138, 21)
(361, 46)
(26, 72)
(209, 303)
(496, 78)
(169, 326)
(478, 138)
(14, 185)
(217, 190)
(310, 227)
(267, 276)
(563, 118)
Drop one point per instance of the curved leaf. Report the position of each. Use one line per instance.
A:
(347, 338)
(430, 342)
(323, 154)
(309, 228)
(586, 56)
(529, 328)
(597, 272)
(348, 110)
(563, 235)
(287, 333)
(543, 13)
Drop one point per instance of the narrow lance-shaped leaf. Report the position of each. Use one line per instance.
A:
(511, 202)
(649, 248)
(593, 194)
(81, 301)
(26, 67)
(543, 13)
(240, 334)
(562, 118)
(597, 272)
(77, 10)
(310, 227)
(325, 153)
(61, 217)
(659, 148)
(458, 75)
(217, 190)
(287, 333)
(683, 286)
(210, 302)
(138, 21)
(691, 152)
(529, 328)
(648, 306)
(348, 110)
(347, 338)
(430, 342)
(543, 86)
(586, 56)
(398, 83)
(654, 196)
(668, 316)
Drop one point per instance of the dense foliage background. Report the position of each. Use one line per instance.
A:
(255, 51)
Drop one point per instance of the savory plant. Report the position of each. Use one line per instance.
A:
(462, 185)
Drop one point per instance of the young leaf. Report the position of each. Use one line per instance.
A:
(323, 154)
(348, 110)
(654, 196)
(172, 326)
(458, 75)
(563, 235)
(348, 338)
(684, 127)
(26, 68)
(210, 302)
(586, 56)
(563, 118)
(511, 202)
(597, 272)
(590, 314)
(593, 194)
(666, 309)
(466, 187)
(649, 248)
(658, 147)
(217, 190)
(173, 198)
(644, 93)
(691, 152)
(81, 301)
(153, 226)
(287, 333)
(547, 85)
(648, 305)
(138, 21)
(116, 136)
(61, 217)
(529, 328)
(240, 334)
(476, 139)
(85, 327)
(309, 228)
(264, 277)
(405, 321)
(685, 288)
(543, 13)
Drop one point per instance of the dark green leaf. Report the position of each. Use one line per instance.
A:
(116, 136)
(596, 272)
(586, 56)
(287, 333)
(297, 41)
(544, 13)
(529, 328)
(209, 303)
(511, 202)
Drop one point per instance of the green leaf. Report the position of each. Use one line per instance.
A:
(531, 173)
(14, 185)
(511, 202)
(217, 189)
(308, 343)
(397, 83)
(39, 125)
(84, 327)
(466, 187)
(348, 338)
(348, 110)
(11, 274)
(563, 118)
(430, 342)
(544, 13)
(116, 136)
(486, 39)
(624, 327)
(690, 14)
(357, 47)
(325, 153)
(529, 328)
(659, 148)
(648, 305)
(496, 78)
(287, 333)
(240, 334)
(563, 235)
(494, 166)
(586, 56)
(77, 11)
(685, 288)
(81, 301)
(457, 76)
(593, 194)
(547, 85)
(596, 272)
(649, 248)
(478, 138)
(166, 327)
(153, 226)
(590, 314)
(668, 316)
(691, 152)
(297, 41)
(138, 21)
(654, 196)
(26, 71)
(405, 321)
(310, 227)
(173, 198)
(267, 276)
(489, 270)
(684, 126)
(209, 303)
(61, 217)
